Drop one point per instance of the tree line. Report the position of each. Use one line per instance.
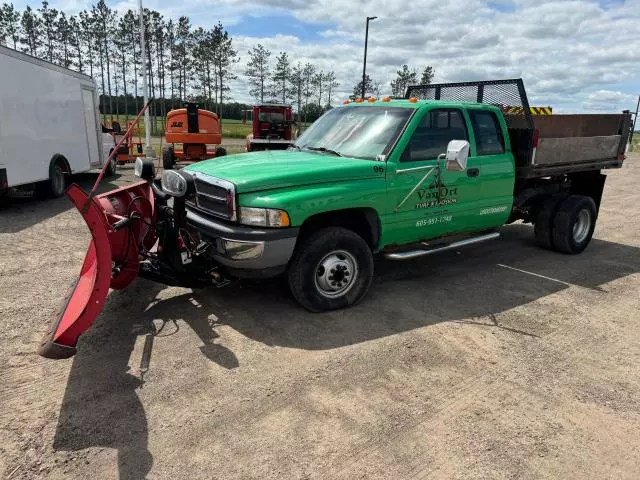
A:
(183, 62)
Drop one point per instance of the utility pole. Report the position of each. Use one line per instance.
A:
(364, 65)
(145, 87)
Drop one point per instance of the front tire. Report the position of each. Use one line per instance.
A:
(168, 158)
(574, 224)
(333, 268)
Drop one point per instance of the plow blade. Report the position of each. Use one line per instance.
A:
(111, 260)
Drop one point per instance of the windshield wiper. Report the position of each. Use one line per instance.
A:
(324, 150)
(294, 146)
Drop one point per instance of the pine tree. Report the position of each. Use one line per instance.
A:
(9, 25)
(404, 78)
(281, 75)
(258, 71)
(427, 75)
(331, 83)
(30, 25)
(49, 23)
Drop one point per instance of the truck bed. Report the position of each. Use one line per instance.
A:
(570, 143)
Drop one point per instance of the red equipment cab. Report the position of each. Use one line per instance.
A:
(272, 127)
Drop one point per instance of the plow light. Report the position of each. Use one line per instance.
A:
(359, 100)
(144, 169)
(174, 183)
(346, 102)
(372, 99)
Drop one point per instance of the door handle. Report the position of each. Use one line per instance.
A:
(473, 172)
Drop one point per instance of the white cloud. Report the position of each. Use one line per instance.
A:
(567, 51)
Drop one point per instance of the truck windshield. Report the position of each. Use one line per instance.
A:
(271, 117)
(358, 132)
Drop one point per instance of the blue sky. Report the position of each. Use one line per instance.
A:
(575, 55)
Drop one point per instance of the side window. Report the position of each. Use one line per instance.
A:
(487, 131)
(431, 137)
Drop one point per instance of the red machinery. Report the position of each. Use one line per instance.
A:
(272, 127)
(194, 128)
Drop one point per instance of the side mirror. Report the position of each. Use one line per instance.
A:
(457, 155)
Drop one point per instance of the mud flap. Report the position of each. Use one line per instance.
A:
(111, 261)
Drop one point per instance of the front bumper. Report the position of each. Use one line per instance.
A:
(246, 251)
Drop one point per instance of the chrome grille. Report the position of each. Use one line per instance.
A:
(215, 196)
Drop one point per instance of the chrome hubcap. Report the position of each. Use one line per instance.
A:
(336, 274)
(581, 226)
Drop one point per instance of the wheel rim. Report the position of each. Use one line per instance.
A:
(581, 226)
(58, 180)
(336, 274)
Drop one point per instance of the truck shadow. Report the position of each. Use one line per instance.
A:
(101, 406)
(473, 285)
(21, 210)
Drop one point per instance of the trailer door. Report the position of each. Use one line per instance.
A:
(91, 127)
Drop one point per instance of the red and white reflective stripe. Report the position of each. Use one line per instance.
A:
(534, 144)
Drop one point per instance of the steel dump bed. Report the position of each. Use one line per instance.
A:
(543, 145)
(559, 144)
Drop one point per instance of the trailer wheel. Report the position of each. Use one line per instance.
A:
(332, 269)
(574, 223)
(168, 158)
(57, 183)
(113, 165)
(221, 151)
(544, 221)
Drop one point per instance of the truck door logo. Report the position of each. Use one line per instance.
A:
(437, 194)
(177, 125)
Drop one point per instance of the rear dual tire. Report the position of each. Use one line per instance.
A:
(566, 223)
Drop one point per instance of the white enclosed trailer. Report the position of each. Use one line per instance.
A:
(49, 124)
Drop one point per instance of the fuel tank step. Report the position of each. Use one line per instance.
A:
(441, 247)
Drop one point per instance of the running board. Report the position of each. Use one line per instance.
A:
(409, 254)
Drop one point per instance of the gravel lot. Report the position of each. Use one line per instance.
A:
(499, 361)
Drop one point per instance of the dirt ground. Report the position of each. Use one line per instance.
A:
(499, 361)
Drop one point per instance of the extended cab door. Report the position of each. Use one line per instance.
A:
(424, 201)
(491, 153)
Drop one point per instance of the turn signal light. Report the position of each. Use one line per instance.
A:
(359, 100)
(346, 102)
(413, 100)
(386, 99)
(372, 99)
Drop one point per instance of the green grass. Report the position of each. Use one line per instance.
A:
(636, 142)
(231, 128)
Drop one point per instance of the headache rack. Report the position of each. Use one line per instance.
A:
(546, 144)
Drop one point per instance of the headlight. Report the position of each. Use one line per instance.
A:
(145, 169)
(264, 217)
(174, 183)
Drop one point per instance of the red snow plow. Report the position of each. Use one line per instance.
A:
(134, 233)
(120, 222)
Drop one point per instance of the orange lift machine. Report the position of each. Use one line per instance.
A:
(195, 129)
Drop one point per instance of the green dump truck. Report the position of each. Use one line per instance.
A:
(441, 169)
